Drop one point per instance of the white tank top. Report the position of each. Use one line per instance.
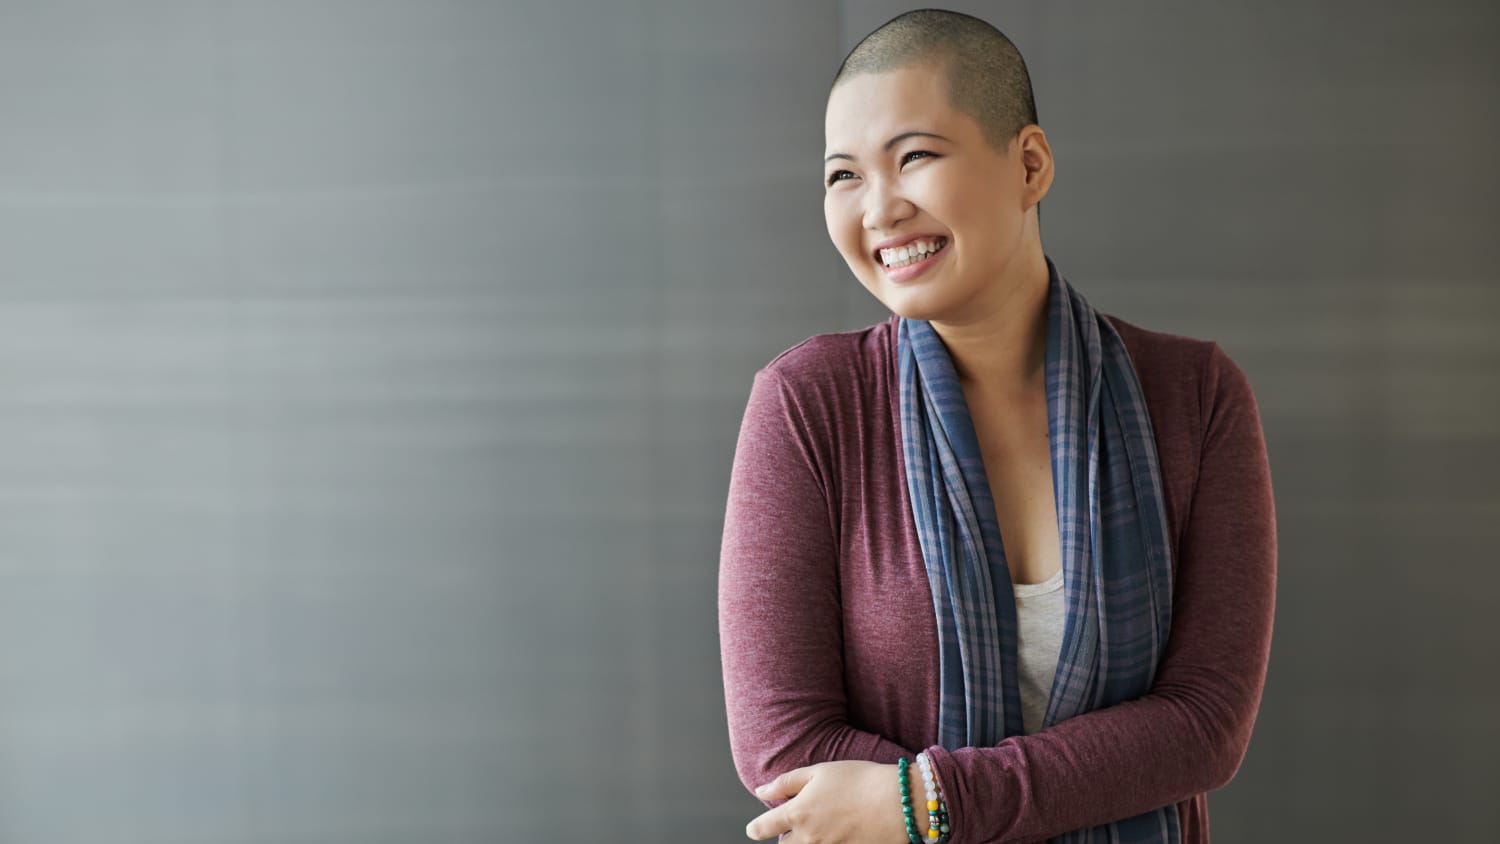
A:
(1040, 613)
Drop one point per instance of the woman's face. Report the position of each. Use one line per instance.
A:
(907, 169)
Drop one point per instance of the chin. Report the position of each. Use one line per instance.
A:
(914, 304)
(925, 299)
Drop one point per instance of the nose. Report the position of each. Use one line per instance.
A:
(885, 206)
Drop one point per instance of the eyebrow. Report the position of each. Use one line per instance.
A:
(892, 142)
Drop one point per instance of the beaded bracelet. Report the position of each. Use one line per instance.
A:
(937, 811)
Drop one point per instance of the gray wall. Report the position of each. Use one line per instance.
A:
(370, 374)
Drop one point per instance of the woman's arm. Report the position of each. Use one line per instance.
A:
(1189, 734)
(780, 618)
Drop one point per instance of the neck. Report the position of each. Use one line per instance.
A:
(1001, 347)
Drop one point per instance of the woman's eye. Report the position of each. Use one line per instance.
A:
(916, 152)
(837, 176)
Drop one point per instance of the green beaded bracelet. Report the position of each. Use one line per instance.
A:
(912, 835)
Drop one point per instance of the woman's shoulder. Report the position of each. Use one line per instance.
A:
(1165, 351)
(1186, 380)
(836, 360)
(1195, 393)
(1162, 353)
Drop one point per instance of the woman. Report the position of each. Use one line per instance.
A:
(1092, 676)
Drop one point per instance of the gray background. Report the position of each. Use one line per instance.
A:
(370, 374)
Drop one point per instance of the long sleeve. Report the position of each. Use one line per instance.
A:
(1189, 734)
(780, 618)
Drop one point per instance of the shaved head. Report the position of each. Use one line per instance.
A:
(986, 76)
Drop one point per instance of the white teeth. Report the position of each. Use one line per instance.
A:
(900, 256)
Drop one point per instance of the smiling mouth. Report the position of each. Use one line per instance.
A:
(911, 253)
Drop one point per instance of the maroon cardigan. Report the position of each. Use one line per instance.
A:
(826, 624)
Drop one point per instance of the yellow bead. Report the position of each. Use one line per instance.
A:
(932, 805)
(932, 833)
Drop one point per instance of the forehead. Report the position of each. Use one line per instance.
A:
(865, 110)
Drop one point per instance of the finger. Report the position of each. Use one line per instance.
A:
(769, 824)
(787, 785)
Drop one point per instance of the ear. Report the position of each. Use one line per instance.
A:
(1036, 159)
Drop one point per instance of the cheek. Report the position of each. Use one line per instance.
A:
(843, 225)
(952, 198)
(978, 209)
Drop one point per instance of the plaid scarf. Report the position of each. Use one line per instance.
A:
(1117, 572)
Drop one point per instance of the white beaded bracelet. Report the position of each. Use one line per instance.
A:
(937, 811)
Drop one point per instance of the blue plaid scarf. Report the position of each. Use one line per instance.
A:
(1109, 496)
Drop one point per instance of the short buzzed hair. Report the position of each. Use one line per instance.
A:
(987, 77)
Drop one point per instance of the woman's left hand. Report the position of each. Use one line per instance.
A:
(843, 802)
